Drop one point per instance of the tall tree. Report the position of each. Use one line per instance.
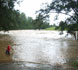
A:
(62, 26)
(40, 22)
(64, 7)
(6, 13)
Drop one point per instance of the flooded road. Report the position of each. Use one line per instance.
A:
(43, 47)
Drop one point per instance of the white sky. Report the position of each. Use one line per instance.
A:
(29, 7)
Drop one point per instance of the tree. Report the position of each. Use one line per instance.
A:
(30, 23)
(24, 22)
(6, 14)
(62, 26)
(64, 7)
(40, 22)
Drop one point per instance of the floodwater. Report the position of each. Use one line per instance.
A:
(43, 47)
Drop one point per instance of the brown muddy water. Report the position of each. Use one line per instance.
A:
(39, 46)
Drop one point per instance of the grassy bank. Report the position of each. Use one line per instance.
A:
(50, 28)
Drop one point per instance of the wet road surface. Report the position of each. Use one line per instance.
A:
(31, 66)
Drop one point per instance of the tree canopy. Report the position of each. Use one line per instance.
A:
(6, 13)
(64, 7)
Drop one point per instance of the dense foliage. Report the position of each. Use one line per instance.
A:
(6, 13)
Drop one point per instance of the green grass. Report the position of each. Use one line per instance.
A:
(50, 28)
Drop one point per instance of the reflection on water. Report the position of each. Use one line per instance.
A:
(43, 46)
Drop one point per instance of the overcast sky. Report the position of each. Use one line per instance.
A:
(29, 7)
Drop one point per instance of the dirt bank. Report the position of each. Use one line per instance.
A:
(5, 40)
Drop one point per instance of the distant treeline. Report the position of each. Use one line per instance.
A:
(11, 19)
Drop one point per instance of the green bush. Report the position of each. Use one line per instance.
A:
(75, 63)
